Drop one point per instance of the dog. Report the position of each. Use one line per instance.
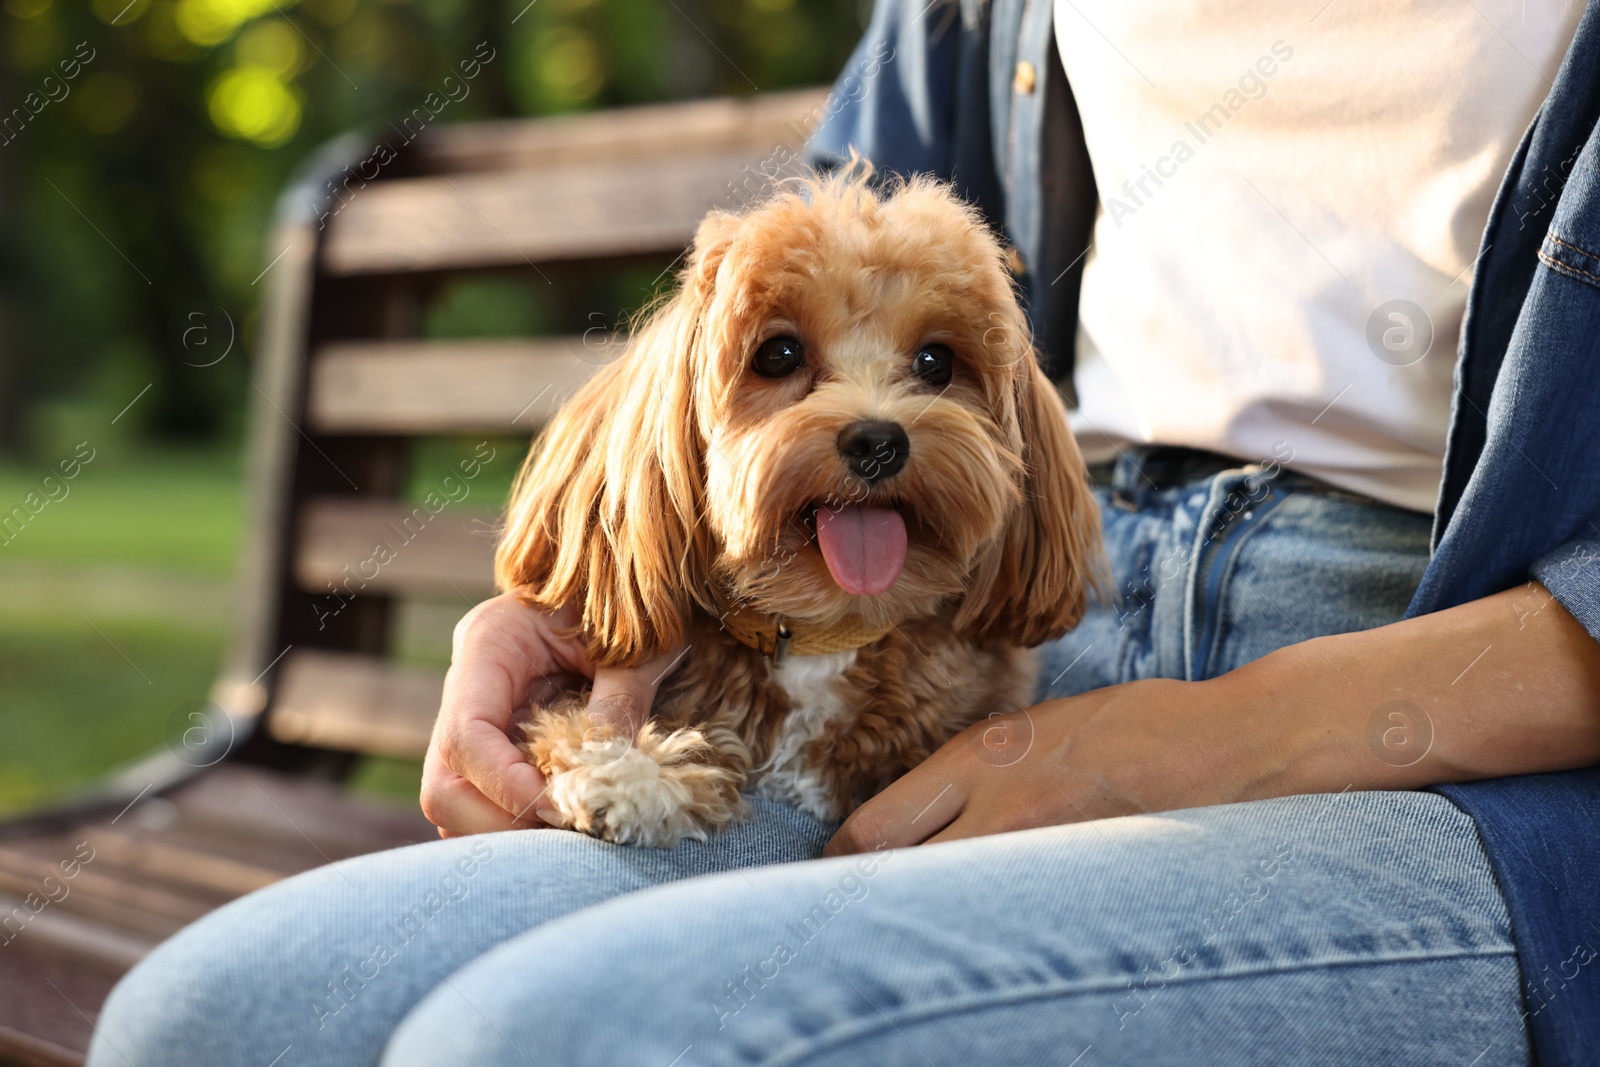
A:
(829, 473)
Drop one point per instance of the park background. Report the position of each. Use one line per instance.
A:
(134, 210)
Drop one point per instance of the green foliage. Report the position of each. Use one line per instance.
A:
(489, 307)
(436, 458)
(148, 140)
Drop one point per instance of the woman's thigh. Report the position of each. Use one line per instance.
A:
(1351, 929)
(320, 968)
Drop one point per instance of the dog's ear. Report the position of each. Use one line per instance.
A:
(1034, 584)
(606, 510)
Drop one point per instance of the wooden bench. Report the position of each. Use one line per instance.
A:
(347, 392)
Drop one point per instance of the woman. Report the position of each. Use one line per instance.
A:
(1247, 237)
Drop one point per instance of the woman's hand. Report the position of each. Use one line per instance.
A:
(1505, 685)
(1144, 746)
(504, 653)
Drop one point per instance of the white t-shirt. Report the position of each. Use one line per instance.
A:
(1292, 197)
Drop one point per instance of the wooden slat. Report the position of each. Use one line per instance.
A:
(93, 944)
(181, 864)
(318, 818)
(19, 1048)
(384, 546)
(163, 863)
(726, 124)
(409, 387)
(47, 1007)
(355, 703)
(630, 182)
(243, 853)
(155, 865)
(149, 910)
(510, 218)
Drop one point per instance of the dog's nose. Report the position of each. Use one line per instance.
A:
(874, 449)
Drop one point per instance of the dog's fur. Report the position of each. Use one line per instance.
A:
(679, 485)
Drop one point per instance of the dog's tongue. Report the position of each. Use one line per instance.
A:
(864, 547)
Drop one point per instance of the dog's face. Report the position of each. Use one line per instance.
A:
(859, 361)
(839, 415)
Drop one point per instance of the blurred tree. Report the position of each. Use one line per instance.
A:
(143, 142)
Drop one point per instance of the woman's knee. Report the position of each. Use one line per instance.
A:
(220, 986)
(331, 960)
(327, 961)
(646, 978)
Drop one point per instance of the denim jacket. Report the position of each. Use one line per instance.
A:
(973, 91)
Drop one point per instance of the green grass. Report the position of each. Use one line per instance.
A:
(160, 509)
(75, 702)
(116, 604)
(399, 779)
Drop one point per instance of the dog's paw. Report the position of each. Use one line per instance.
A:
(625, 798)
(652, 792)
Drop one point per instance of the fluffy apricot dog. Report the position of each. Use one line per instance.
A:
(829, 472)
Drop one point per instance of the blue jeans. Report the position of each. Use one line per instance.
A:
(1346, 929)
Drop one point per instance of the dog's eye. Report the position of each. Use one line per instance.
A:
(934, 364)
(778, 357)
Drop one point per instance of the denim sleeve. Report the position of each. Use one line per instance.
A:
(915, 99)
(1572, 574)
(892, 101)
